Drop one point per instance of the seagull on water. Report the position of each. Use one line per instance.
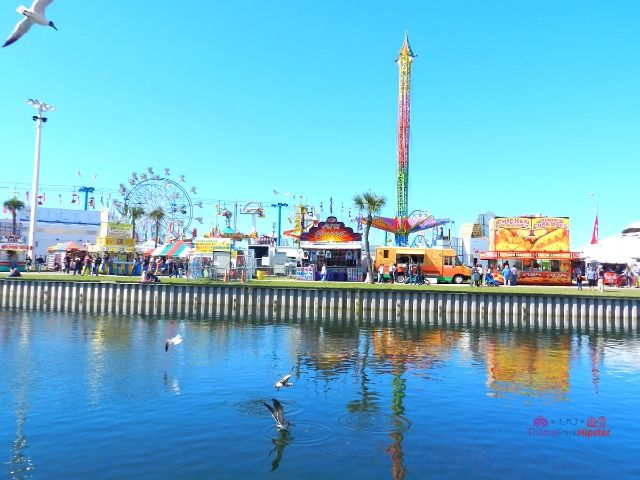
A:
(32, 15)
(173, 341)
(284, 381)
(277, 412)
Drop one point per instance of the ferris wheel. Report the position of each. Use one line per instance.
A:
(153, 192)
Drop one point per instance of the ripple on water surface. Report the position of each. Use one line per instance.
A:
(373, 422)
(353, 445)
(302, 433)
(255, 408)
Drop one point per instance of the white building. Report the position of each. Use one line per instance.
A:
(55, 225)
(474, 238)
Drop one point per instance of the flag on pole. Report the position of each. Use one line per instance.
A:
(594, 235)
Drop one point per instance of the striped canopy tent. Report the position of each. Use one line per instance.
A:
(66, 247)
(175, 249)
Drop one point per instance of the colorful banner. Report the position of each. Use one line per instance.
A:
(331, 231)
(529, 234)
(212, 244)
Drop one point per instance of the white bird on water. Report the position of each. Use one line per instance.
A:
(284, 381)
(173, 341)
(277, 412)
(32, 15)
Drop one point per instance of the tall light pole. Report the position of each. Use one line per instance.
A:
(41, 107)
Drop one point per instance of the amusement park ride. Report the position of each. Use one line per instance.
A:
(152, 192)
(404, 224)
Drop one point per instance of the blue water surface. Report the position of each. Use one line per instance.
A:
(91, 396)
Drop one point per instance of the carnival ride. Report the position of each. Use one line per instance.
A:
(153, 192)
(303, 218)
(403, 224)
(256, 211)
(403, 227)
(223, 211)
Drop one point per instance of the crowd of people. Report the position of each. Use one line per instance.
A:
(87, 264)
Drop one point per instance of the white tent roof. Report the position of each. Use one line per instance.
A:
(621, 248)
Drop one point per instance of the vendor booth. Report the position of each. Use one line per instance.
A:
(13, 252)
(333, 244)
(211, 257)
(57, 252)
(115, 242)
(537, 246)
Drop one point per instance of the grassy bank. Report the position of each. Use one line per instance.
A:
(281, 282)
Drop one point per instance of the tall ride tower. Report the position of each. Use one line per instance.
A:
(404, 61)
(405, 223)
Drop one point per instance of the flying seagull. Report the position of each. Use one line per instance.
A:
(32, 15)
(172, 341)
(284, 381)
(278, 415)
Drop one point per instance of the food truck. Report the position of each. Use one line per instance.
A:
(537, 246)
(440, 263)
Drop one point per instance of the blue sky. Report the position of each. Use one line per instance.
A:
(517, 107)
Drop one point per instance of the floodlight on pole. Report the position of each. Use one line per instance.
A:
(41, 107)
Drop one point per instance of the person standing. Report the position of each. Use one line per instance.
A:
(591, 277)
(381, 273)
(506, 274)
(393, 271)
(578, 274)
(77, 264)
(86, 270)
(600, 278)
(323, 273)
(39, 263)
(628, 275)
(67, 262)
(514, 276)
(96, 265)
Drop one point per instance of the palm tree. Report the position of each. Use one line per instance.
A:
(14, 206)
(135, 213)
(371, 204)
(156, 216)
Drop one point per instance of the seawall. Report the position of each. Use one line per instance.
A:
(358, 306)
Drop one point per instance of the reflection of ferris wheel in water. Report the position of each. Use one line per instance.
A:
(150, 192)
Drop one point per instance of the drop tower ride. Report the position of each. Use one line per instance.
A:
(404, 61)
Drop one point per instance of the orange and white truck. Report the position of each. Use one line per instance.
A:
(440, 263)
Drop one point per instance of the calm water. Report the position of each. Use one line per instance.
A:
(97, 397)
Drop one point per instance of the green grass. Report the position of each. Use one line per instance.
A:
(281, 282)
